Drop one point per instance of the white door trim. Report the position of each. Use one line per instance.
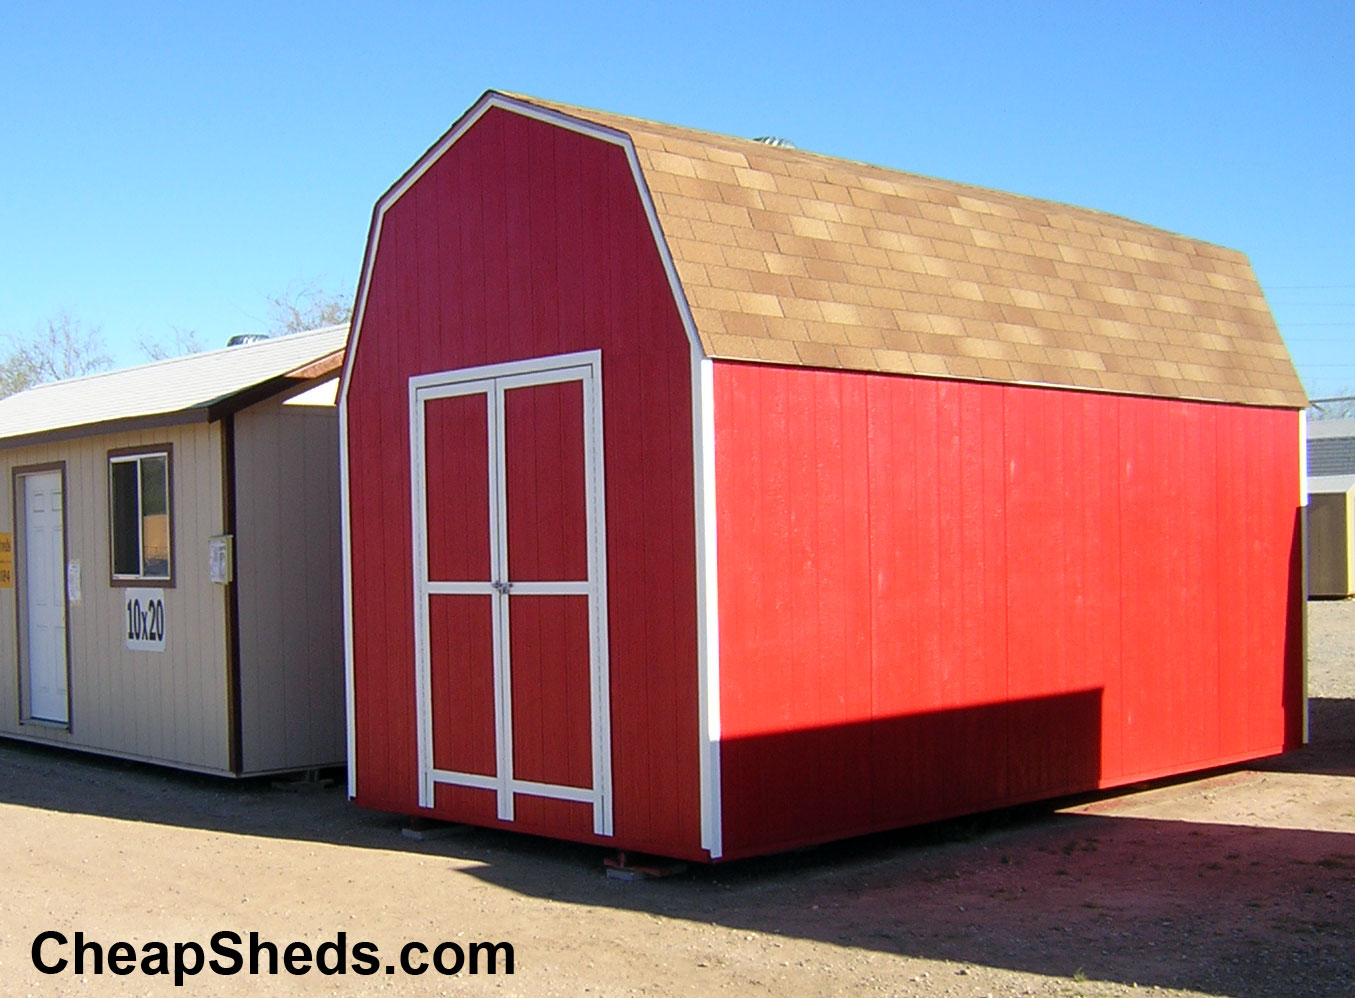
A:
(493, 381)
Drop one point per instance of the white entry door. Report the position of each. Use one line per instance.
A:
(44, 596)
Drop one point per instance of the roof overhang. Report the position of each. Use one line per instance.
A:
(210, 412)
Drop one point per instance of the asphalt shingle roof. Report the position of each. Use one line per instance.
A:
(792, 257)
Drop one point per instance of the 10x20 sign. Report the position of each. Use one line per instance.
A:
(144, 619)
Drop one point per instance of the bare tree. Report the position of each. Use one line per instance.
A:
(1335, 407)
(305, 305)
(181, 342)
(64, 348)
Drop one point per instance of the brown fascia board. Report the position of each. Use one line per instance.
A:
(231, 404)
(318, 368)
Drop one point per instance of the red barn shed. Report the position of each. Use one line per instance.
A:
(707, 498)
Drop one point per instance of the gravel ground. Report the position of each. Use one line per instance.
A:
(1331, 649)
(1239, 883)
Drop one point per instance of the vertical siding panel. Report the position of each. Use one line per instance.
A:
(545, 316)
(286, 532)
(853, 658)
(989, 480)
(895, 620)
(682, 526)
(667, 727)
(1201, 583)
(102, 641)
(513, 243)
(292, 681)
(1235, 528)
(1286, 484)
(625, 585)
(375, 465)
(624, 420)
(83, 536)
(398, 599)
(927, 693)
(570, 229)
(1101, 537)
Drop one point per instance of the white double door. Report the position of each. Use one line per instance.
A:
(510, 590)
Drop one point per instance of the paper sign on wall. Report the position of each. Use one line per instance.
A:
(144, 620)
(73, 581)
(6, 561)
(220, 565)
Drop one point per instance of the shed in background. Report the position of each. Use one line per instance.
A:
(1331, 447)
(1331, 536)
(174, 594)
(707, 498)
(1331, 517)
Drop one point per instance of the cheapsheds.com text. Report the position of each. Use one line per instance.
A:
(228, 953)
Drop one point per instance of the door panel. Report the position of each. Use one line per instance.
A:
(461, 651)
(552, 733)
(456, 455)
(45, 596)
(544, 480)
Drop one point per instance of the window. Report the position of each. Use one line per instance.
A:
(139, 515)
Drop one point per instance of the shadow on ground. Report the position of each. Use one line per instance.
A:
(1133, 900)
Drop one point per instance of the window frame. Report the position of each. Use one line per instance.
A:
(126, 455)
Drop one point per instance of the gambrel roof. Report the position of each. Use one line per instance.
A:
(791, 257)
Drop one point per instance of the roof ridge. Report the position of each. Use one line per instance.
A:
(797, 152)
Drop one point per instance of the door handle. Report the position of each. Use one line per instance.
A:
(502, 587)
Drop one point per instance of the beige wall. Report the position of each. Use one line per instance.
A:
(290, 586)
(166, 706)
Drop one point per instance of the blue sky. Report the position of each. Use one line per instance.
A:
(172, 165)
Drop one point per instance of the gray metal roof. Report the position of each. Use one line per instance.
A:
(188, 385)
(1325, 428)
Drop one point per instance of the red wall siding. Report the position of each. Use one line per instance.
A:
(526, 240)
(937, 597)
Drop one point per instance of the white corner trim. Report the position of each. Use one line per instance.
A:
(346, 556)
(1303, 458)
(707, 602)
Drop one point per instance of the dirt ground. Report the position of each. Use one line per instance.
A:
(1239, 883)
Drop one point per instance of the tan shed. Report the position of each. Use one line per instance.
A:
(169, 581)
(1331, 536)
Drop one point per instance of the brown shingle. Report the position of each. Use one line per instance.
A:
(795, 258)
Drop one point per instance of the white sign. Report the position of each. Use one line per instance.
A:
(219, 559)
(143, 623)
(73, 581)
